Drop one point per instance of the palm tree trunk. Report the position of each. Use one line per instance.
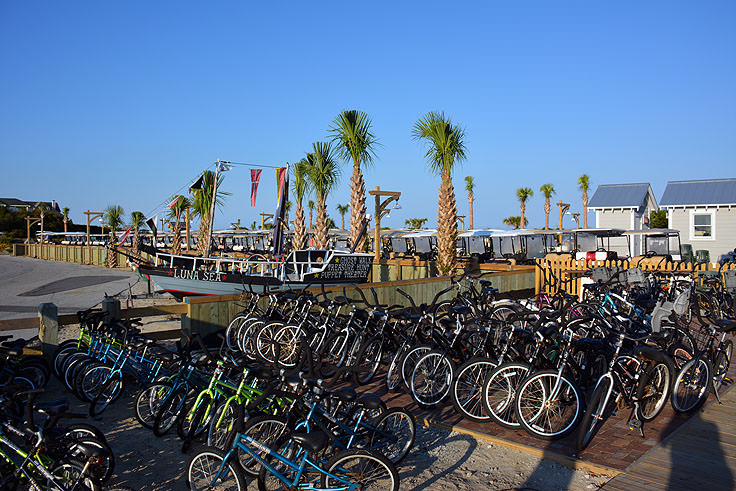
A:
(471, 198)
(446, 226)
(299, 227)
(112, 256)
(320, 234)
(136, 241)
(65, 225)
(203, 235)
(585, 209)
(521, 218)
(311, 211)
(176, 244)
(547, 209)
(342, 218)
(357, 207)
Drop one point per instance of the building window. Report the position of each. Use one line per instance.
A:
(702, 225)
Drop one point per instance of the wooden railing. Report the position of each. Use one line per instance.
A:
(566, 273)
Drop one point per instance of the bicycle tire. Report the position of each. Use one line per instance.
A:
(467, 388)
(360, 466)
(400, 425)
(653, 390)
(691, 385)
(595, 415)
(169, 409)
(148, 400)
(499, 393)
(536, 411)
(431, 379)
(110, 392)
(203, 466)
(369, 360)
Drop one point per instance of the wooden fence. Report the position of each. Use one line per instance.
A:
(566, 273)
(93, 255)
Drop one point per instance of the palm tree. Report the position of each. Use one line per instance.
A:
(300, 187)
(470, 187)
(342, 209)
(415, 223)
(42, 209)
(584, 187)
(351, 133)
(113, 216)
(514, 221)
(310, 204)
(547, 190)
(323, 174)
(445, 148)
(65, 213)
(175, 213)
(202, 207)
(137, 219)
(523, 194)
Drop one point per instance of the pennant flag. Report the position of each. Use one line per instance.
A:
(224, 167)
(255, 177)
(197, 184)
(125, 236)
(280, 179)
(151, 222)
(173, 203)
(282, 175)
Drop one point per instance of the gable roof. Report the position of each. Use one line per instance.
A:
(620, 196)
(705, 192)
(13, 202)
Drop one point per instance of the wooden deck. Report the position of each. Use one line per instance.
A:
(701, 454)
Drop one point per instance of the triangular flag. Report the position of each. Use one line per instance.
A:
(197, 184)
(151, 222)
(255, 177)
(224, 167)
(173, 203)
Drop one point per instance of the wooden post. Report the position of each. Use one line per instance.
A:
(112, 307)
(563, 208)
(381, 210)
(189, 232)
(48, 331)
(30, 222)
(91, 215)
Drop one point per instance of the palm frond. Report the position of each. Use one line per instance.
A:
(523, 194)
(323, 169)
(547, 190)
(445, 141)
(584, 183)
(352, 136)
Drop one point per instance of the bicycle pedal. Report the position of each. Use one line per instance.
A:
(635, 424)
(727, 381)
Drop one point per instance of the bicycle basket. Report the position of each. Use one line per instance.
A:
(636, 277)
(730, 279)
(682, 302)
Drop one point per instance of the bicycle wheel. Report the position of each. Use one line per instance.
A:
(62, 352)
(394, 434)
(199, 420)
(203, 472)
(368, 470)
(653, 390)
(170, 403)
(232, 329)
(222, 424)
(148, 400)
(546, 411)
(110, 392)
(67, 472)
(264, 429)
(680, 354)
(369, 359)
(499, 393)
(691, 385)
(393, 374)
(722, 364)
(467, 388)
(595, 415)
(411, 357)
(89, 382)
(432, 378)
(102, 471)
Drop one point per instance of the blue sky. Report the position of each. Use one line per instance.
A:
(126, 102)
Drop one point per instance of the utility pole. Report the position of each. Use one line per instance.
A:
(381, 211)
(189, 234)
(91, 215)
(30, 222)
(563, 209)
(212, 209)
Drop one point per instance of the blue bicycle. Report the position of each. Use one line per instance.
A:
(347, 470)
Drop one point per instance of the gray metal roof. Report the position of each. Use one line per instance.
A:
(705, 192)
(619, 195)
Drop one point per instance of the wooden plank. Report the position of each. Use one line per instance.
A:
(14, 324)
(155, 310)
(164, 335)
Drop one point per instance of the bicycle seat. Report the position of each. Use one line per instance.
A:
(725, 325)
(53, 408)
(462, 310)
(650, 353)
(369, 401)
(92, 451)
(311, 442)
(346, 394)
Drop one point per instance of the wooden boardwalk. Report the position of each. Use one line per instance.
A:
(701, 454)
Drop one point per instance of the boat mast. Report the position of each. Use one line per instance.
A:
(212, 209)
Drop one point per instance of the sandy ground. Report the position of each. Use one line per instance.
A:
(440, 460)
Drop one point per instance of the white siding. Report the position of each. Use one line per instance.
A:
(724, 230)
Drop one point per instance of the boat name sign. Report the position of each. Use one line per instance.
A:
(193, 274)
(347, 268)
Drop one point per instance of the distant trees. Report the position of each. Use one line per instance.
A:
(415, 223)
(523, 194)
(514, 221)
